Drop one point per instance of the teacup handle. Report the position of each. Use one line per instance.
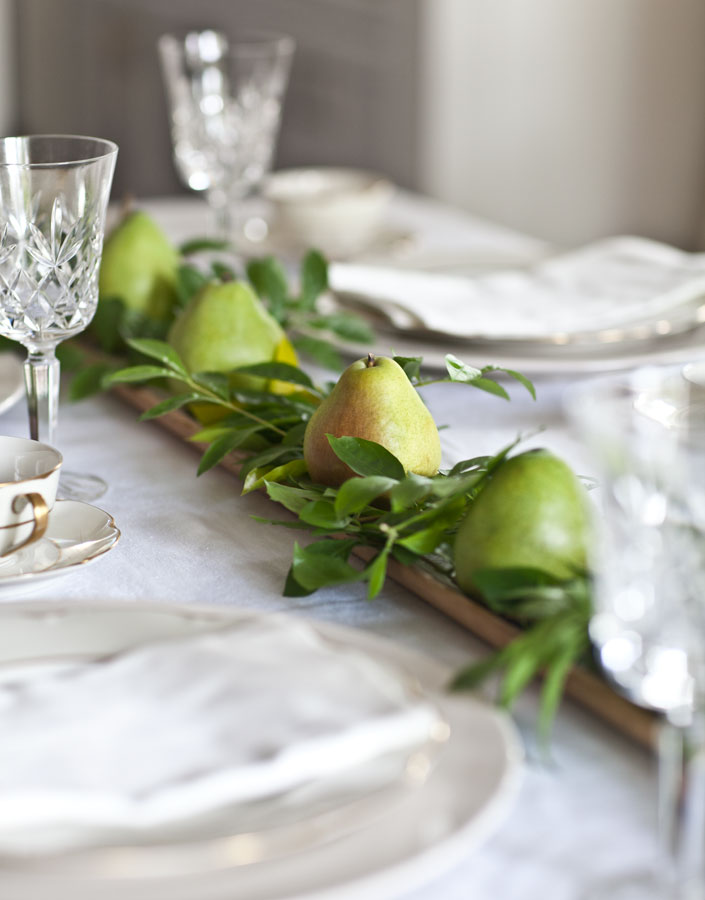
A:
(40, 510)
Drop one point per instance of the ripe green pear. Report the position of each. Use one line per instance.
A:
(224, 326)
(139, 265)
(374, 400)
(532, 513)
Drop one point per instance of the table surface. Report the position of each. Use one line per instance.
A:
(584, 814)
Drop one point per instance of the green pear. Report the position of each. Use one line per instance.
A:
(224, 326)
(139, 265)
(532, 513)
(374, 400)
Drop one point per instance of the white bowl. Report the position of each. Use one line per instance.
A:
(335, 209)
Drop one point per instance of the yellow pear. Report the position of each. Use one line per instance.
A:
(374, 400)
(139, 265)
(532, 513)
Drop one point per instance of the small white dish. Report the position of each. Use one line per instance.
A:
(337, 210)
(78, 534)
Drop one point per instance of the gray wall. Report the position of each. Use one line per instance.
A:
(90, 66)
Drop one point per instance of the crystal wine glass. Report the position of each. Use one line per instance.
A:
(54, 193)
(225, 99)
(647, 434)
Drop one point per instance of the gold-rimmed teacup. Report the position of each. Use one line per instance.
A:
(29, 477)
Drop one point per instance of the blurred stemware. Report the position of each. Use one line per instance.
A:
(225, 99)
(647, 435)
(54, 193)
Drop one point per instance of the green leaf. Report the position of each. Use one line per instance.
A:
(426, 540)
(462, 373)
(168, 405)
(322, 514)
(366, 457)
(220, 448)
(472, 676)
(292, 498)
(313, 570)
(522, 379)
(269, 281)
(280, 371)
(292, 588)
(160, 351)
(198, 245)
(189, 281)
(257, 477)
(70, 357)
(89, 381)
(491, 387)
(217, 382)
(376, 573)
(411, 366)
(357, 493)
(223, 272)
(107, 322)
(314, 278)
(466, 465)
(410, 491)
(345, 325)
(554, 682)
(320, 351)
(339, 548)
(137, 373)
(269, 455)
(210, 433)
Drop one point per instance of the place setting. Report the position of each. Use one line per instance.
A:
(50, 253)
(409, 601)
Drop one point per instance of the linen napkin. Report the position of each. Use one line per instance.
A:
(608, 284)
(107, 749)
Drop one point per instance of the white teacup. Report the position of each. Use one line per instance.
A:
(29, 477)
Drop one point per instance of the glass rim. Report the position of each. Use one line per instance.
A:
(249, 42)
(111, 149)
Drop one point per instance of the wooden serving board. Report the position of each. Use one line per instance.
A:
(585, 688)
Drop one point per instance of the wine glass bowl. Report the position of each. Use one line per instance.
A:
(54, 193)
(225, 99)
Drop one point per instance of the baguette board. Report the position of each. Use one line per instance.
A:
(582, 686)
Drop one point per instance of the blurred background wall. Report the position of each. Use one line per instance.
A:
(567, 119)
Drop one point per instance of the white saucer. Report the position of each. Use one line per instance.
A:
(421, 834)
(77, 535)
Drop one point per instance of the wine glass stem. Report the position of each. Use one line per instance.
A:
(41, 378)
(682, 803)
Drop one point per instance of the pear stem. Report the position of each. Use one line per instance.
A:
(371, 361)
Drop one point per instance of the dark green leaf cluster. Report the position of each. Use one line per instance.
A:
(555, 615)
(297, 312)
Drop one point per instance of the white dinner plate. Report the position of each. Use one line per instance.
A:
(78, 534)
(423, 832)
(11, 381)
(672, 350)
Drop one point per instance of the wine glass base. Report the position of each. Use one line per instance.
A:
(76, 486)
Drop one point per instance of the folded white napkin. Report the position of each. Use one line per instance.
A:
(121, 745)
(605, 285)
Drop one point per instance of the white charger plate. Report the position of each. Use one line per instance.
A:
(424, 832)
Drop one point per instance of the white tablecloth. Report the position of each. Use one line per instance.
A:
(587, 813)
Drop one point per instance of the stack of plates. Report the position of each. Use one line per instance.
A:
(612, 305)
(368, 823)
